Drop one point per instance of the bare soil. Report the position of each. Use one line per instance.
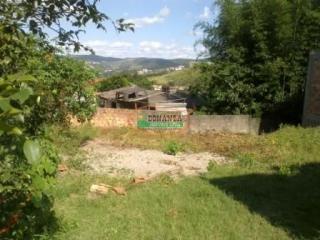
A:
(104, 158)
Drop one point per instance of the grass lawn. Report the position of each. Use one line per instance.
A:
(271, 192)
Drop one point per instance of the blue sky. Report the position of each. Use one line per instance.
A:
(164, 28)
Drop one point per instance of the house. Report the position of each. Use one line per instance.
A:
(134, 97)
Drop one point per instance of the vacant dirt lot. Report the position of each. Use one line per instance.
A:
(105, 158)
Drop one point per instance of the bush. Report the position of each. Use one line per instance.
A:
(172, 148)
(123, 80)
(25, 194)
(27, 167)
(111, 83)
(64, 90)
(28, 64)
(258, 52)
(27, 172)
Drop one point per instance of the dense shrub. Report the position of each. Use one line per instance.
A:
(112, 82)
(258, 55)
(27, 167)
(63, 86)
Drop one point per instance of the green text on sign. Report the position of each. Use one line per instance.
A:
(160, 120)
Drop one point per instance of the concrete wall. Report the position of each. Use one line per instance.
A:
(311, 112)
(113, 118)
(224, 123)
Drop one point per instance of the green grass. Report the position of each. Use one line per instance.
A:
(69, 141)
(271, 192)
(190, 209)
(184, 77)
(289, 145)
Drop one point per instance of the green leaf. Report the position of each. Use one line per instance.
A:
(37, 198)
(32, 151)
(5, 104)
(49, 167)
(15, 131)
(22, 95)
(21, 77)
(20, 118)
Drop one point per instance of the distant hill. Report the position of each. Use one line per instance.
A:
(132, 64)
(96, 58)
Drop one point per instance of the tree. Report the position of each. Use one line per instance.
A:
(123, 80)
(37, 16)
(259, 51)
(63, 86)
(28, 61)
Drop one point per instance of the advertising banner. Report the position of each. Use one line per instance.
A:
(161, 120)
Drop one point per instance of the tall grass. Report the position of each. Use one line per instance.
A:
(289, 145)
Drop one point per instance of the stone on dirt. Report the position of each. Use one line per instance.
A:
(100, 189)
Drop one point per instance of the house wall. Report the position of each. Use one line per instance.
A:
(311, 113)
(224, 123)
(114, 118)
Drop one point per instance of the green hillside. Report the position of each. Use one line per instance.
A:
(132, 64)
(179, 78)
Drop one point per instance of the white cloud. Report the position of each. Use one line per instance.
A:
(144, 21)
(206, 14)
(116, 44)
(110, 49)
(152, 49)
(157, 49)
(164, 12)
(121, 45)
(150, 45)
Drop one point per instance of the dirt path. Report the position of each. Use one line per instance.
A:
(104, 158)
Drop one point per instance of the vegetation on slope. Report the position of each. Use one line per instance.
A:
(133, 64)
(123, 80)
(185, 77)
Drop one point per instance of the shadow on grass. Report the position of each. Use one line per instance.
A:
(291, 202)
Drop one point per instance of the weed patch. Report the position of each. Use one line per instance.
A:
(245, 160)
(173, 147)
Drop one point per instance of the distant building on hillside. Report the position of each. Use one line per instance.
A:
(179, 68)
(144, 71)
(172, 69)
